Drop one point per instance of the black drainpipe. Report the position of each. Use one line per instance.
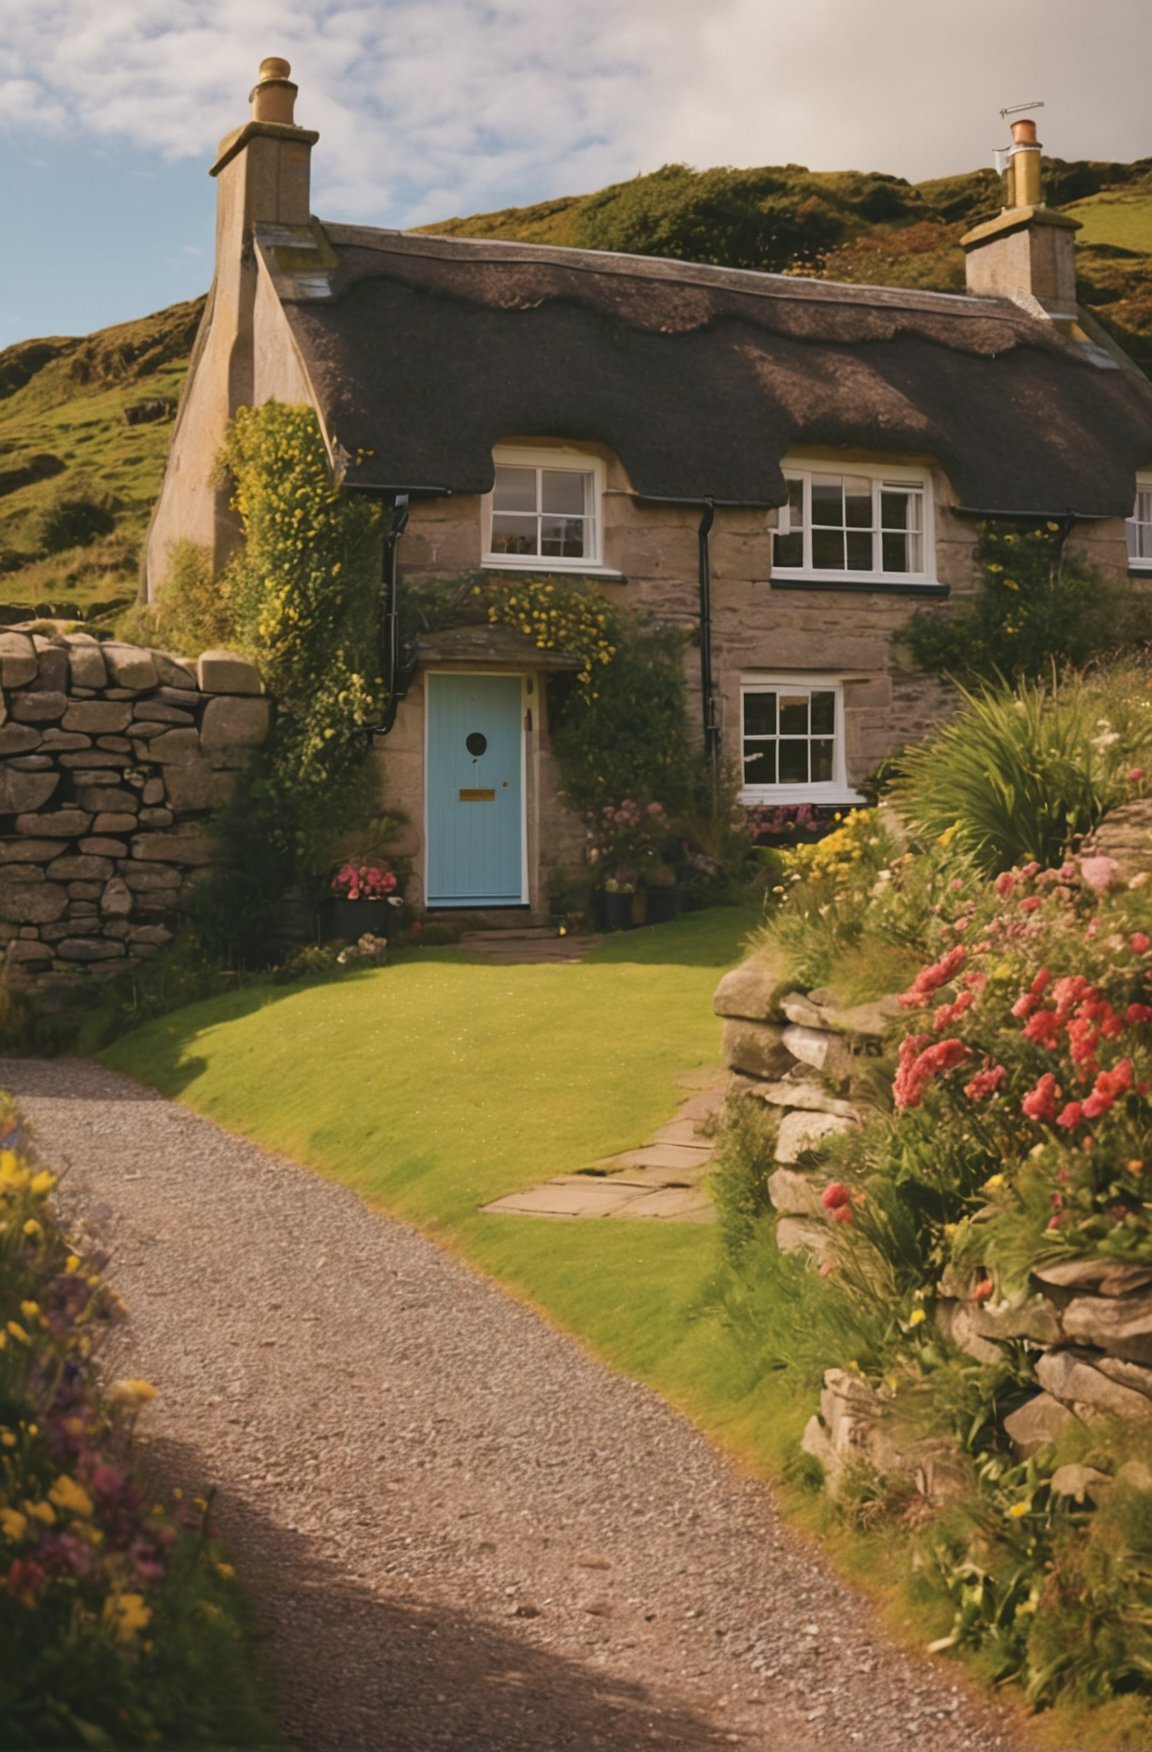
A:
(395, 683)
(707, 690)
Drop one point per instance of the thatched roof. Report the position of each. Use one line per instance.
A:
(424, 352)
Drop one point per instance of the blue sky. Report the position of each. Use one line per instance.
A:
(110, 110)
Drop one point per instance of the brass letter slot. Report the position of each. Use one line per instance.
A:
(477, 796)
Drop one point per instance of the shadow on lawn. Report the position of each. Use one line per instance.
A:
(353, 1672)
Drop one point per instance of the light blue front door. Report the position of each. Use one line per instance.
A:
(475, 802)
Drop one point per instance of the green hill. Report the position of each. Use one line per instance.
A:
(84, 423)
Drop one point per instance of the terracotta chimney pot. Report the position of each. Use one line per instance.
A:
(273, 97)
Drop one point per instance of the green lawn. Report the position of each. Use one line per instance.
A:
(439, 1083)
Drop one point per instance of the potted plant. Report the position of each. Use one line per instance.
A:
(364, 898)
(663, 895)
(620, 901)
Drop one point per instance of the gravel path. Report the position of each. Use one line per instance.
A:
(461, 1531)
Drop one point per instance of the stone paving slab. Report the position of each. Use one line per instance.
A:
(671, 1156)
(682, 1131)
(587, 1198)
(672, 1204)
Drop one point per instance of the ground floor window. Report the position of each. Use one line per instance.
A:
(792, 740)
(1140, 525)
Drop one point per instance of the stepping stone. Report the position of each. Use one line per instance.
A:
(572, 1196)
(652, 1177)
(673, 1204)
(709, 1077)
(682, 1131)
(659, 1156)
(706, 1105)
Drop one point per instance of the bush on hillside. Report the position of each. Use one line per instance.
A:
(77, 514)
(120, 1622)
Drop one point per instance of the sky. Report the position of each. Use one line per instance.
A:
(111, 110)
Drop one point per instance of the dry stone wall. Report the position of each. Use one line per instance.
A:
(112, 759)
(805, 1057)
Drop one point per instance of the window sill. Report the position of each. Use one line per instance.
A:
(859, 583)
(553, 569)
(830, 796)
(1140, 568)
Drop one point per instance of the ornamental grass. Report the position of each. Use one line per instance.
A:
(120, 1622)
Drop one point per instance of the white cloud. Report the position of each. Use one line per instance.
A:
(428, 107)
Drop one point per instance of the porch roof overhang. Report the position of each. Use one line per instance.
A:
(491, 647)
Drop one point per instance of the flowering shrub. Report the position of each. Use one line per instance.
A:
(626, 841)
(363, 882)
(118, 1617)
(1033, 1039)
(557, 615)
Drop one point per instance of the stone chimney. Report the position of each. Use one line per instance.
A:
(1027, 253)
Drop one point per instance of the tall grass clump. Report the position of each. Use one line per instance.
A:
(1021, 775)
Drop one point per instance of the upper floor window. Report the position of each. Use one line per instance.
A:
(543, 512)
(1139, 525)
(867, 523)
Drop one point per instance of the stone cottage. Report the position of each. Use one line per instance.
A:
(787, 467)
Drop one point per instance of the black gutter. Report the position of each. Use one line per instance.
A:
(394, 682)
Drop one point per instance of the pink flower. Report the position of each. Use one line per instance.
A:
(982, 1290)
(835, 1195)
(917, 1068)
(1040, 1102)
(948, 1013)
(1070, 1115)
(1099, 873)
(842, 1214)
(1134, 774)
(1005, 883)
(1139, 943)
(930, 979)
(1138, 1013)
(985, 1083)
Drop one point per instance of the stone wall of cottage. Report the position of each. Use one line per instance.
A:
(806, 1058)
(650, 562)
(112, 759)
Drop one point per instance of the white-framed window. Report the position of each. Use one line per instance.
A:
(1139, 526)
(865, 522)
(792, 740)
(544, 510)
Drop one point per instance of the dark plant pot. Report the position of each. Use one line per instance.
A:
(350, 919)
(618, 911)
(663, 905)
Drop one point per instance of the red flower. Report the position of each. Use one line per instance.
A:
(982, 1290)
(1070, 1115)
(835, 1195)
(930, 979)
(1040, 1102)
(1044, 1028)
(985, 1082)
(842, 1214)
(1139, 943)
(949, 1013)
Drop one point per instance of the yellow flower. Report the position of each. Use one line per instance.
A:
(1019, 1510)
(916, 1317)
(7, 1439)
(29, 1310)
(71, 1497)
(41, 1511)
(13, 1523)
(17, 1331)
(72, 1263)
(33, 1228)
(131, 1392)
(226, 1570)
(126, 1614)
(993, 1183)
(42, 1182)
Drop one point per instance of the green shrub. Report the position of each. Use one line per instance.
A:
(1024, 774)
(121, 1623)
(742, 1163)
(74, 516)
(1039, 610)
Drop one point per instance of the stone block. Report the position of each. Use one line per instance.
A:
(157, 817)
(1079, 1483)
(28, 952)
(826, 1053)
(149, 936)
(78, 868)
(189, 697)
(63, 741)
(154, 711)
(116, 898)
(89, 949)
(188, 847)
(752, 991)
(20, 792)
(173, 748)
(1031, 1317)
(1119, 1325)
(1103, 1277)
(954, 1321)
(153, 791)
(801, 1132)
(131, 667)
(795, 1092)
(1133, 1375)
(38, 903)
(795, 1007)
(84, 760)
(231, 727)
(796, 1234)
(31, 763)
(173, 673)
(95, 716)
(143, 877)
(28, 851)
(38, 708)
(106, 799)
(98, 846)
(796, 1195)
(84, 891)
(57, 824)
(756, 1048)
(1070, 1377)
(18, 660)
(1036, 1423)
(114, 823)
(223, 672)
(114, 744)
(197, 786)
(86, 664)
(19, 739)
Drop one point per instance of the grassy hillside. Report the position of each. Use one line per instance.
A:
(84, 423)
